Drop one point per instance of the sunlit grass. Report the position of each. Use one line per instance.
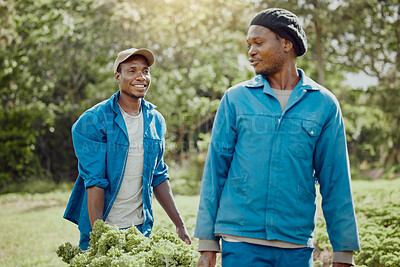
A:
(32, 226)
(31, 231)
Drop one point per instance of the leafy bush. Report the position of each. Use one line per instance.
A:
(380, 235)
(186, 177)
(110, 246)
(18, 138)
(377, 207)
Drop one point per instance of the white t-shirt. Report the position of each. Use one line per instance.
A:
(127, 209)
(283, 96)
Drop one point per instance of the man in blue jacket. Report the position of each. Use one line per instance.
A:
(120, 145)
(274, 138)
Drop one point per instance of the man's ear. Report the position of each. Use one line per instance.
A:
(287, 45)
(117, 76)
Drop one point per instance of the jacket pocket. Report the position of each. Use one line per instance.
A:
(152, 151)
(233, 202)
(302, 142)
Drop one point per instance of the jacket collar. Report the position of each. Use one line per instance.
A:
(114, 103)
(305, 83)
(255, 82)
(119, 119)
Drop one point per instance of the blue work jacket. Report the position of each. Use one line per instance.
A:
(101, 145)
(263, 164)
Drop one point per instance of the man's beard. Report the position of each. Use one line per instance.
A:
(263, 73)
(137, 97)
(272, 65)
(269, 72)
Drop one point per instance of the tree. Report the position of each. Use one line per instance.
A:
(370, 43)
(200, 48)
(51, 56)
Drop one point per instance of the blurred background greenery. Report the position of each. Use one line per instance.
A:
(56, 61)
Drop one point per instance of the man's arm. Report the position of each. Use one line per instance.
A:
(332, 170)
(164, 197)
(216, 167)
(95, 202)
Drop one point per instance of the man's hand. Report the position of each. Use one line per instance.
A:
(207, 259)
(164, 196)
(183, 234)
(339, 264)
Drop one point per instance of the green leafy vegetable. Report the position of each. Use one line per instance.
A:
(110, 246)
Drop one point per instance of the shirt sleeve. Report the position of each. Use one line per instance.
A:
(218, 161)
(208, 245)
(344, 257)
(90, 145)
(161, 171)
(332, 169)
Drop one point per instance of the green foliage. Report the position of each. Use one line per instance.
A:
(377, 207)
(56, 61)
(186, 177)
(50, 54)
(379, 226)
(18, 138)
(369, 43)
(67, 252)
(205, 56)
(376, 203)
(366, 128)
(112, 247)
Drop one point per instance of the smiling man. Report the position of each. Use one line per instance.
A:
(120, 144)
(274, 138)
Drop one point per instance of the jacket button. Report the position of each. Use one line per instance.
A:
(312, 132)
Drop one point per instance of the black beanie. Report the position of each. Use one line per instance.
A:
(285, 24)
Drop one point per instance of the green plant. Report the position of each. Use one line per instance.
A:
(186, 177)
(377, 207)
(112, 247)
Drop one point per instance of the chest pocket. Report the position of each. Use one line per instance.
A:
(302, 142)
(152, 149)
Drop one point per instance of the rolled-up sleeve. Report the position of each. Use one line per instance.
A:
(90, 145)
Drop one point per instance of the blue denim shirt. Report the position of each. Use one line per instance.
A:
(263, 164)
(101, 145)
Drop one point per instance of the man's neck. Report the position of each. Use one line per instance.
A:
(286, 79)
(130, 105)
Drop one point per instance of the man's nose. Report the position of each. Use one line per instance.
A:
(252, 51)
(140, 77)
